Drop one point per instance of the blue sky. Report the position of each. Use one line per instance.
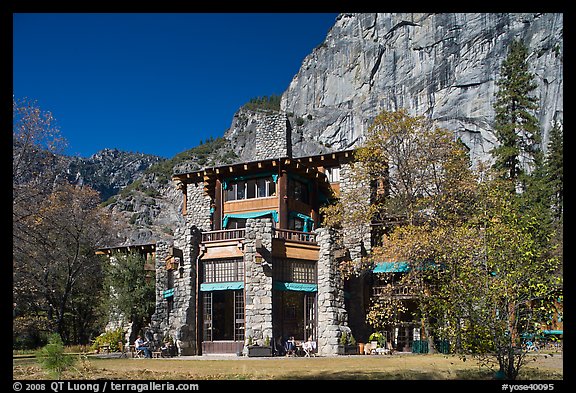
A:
(155, 83)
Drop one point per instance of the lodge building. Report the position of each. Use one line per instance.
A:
(252, 261)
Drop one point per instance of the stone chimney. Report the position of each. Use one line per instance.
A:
(273, 136)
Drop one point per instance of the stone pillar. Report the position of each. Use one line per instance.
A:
(258, 278)
(159, 320)
(198, 207)
(332, 313)
(273, 136)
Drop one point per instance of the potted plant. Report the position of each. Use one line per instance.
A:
(347, 344)
(257, 350)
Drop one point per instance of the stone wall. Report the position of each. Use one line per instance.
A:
(357, 238)
(258, 279)
(332, 315)
(180, 323)
(198, 207)
(272, 136)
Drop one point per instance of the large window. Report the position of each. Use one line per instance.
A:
(261, 187)
(223, 270)
(295, 270)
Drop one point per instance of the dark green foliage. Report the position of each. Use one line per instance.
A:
(134, 293)
(516, 126)
(271, 103)
(554, 165)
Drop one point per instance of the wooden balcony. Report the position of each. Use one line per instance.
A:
(223, 235)
(297, 236)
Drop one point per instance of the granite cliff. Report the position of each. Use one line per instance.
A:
(443, 66)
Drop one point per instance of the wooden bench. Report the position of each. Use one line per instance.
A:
(156, 354)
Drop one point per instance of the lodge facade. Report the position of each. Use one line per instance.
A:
(252, 261)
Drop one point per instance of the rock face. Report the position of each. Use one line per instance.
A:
(109, 170)
(443, 66)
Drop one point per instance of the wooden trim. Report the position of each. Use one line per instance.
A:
(248, 205)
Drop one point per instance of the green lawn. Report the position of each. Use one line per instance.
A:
(376, 367)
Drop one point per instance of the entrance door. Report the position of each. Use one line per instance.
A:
(310, 316)
(295, 314)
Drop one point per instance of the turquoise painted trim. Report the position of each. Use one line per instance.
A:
(221, 286)
(274, 214)
(308, 221)
(167, 293)
(391, 267)
(553, 331)
(294, 286)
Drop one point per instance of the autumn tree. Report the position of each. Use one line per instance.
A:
(56, 230)
(477, 267)
(59, 253)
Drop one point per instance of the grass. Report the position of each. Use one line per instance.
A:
(396, 367)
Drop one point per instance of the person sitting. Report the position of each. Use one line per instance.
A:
(167, 349)
(142, 345)
(309, 347)
(290, 346)
(279, 348)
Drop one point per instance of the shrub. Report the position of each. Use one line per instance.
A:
(52, 358)
(112, 337)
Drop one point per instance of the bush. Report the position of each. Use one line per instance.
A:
(52, 358)
(112, 337)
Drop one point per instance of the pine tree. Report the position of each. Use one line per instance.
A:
(554, 165)
(515, 126)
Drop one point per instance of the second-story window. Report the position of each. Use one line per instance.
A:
(248, 189)
(223, 270)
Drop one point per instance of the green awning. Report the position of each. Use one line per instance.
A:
(391, 267)
(274, 214)
(294, 286)
(221, 286)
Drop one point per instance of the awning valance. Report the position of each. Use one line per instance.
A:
(227, 217)
(391, 267)
(294, 286)
(221, 286)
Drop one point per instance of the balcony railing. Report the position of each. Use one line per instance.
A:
(225, 234)
(298, 236)
(238, 234)
(395, 290)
